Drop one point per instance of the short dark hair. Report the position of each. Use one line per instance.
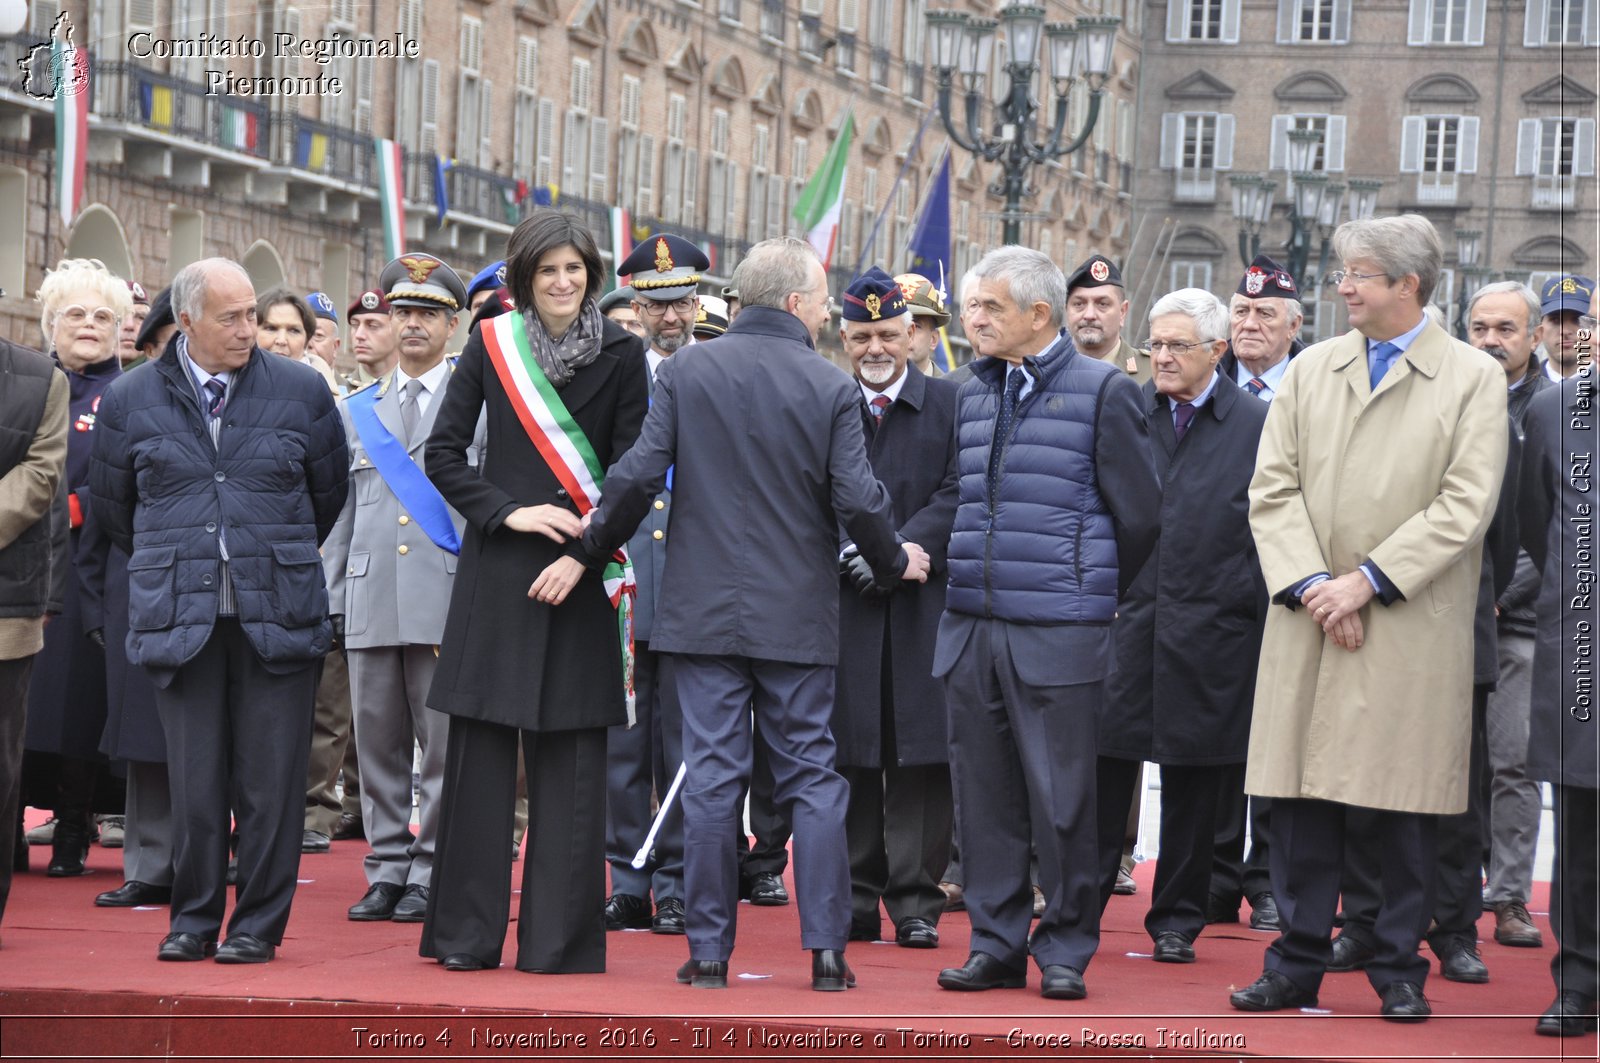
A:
(537, 235)
(281, 296)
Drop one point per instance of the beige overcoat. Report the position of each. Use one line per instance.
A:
(1407, 476)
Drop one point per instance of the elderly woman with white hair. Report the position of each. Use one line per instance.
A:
(82, 306)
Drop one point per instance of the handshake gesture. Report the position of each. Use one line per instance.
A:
(854, 567)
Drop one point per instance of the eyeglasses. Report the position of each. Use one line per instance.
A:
(1339, 276)
(75, 316)
(682, 307)
(1179, 349)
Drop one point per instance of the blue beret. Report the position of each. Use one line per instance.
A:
(322, 306)
(491, 277)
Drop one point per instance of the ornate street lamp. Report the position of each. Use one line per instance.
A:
(961, 44)
(1467, 248)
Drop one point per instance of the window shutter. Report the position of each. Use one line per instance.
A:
(627, 165)
(733, 191)
(528, 64)
(1224, 145)
(1528, 147)
(1533, 23)
(716, 190)
(1288, 21)
(1467, 145)
(1583, 146)
(755, 205)
(1177, 20)
(1171, 140)
(849, 14)
(467, 119)
(647, 175)
(545, 149)
(599, 158)
(775, 219)
(1333, 144)
(631, 90)
(1591, 23)
(1278, 152)
(486, 125)
(1230, 21)
(1341, 21)
(691, 186)
(1417, 27)
(569, 151)
(1476, 10)
(364, 75)
(428, 141)
(1411, 137)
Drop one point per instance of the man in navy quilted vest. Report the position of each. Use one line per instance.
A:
(219, 468)
(1059, 508)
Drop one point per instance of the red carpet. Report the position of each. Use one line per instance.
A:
(82, 982)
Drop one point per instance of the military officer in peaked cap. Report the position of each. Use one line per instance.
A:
(390, 561)
(928, 315)
(643, 759)
(1097, 307)
(484, 284)
(711, 320)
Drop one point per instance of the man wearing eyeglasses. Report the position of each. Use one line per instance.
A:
(642, 760)
(1567, 304)
(1369, 520)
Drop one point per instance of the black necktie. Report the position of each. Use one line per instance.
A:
(1006, 420)
(1182, 419)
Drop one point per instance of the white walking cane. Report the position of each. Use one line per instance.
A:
(643, 854)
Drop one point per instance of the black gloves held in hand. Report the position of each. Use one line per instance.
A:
(859, 573)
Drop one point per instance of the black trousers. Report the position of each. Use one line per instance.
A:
(1310, 840)
(238, 737)
(766, 851)
(1458, 890)
(561, 917)
(898, 824)
(1235, 873)
(13, 713)
(641, 762)
(1190, 799)
(1574, 890)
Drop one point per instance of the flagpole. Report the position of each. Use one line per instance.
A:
(866, 247)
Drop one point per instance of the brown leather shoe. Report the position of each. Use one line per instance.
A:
(1513, 926)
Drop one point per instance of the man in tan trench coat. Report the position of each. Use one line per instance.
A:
(1378, 473)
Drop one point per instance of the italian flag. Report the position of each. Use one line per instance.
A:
(621, 245)
(239, 129)
(822, 199)
(72, 123)
(391, 198)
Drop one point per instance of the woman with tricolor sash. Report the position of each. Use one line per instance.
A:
(564, 392)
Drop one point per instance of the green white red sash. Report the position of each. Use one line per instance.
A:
(569, 454)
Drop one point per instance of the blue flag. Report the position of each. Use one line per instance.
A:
(930, 242)
(441, 194)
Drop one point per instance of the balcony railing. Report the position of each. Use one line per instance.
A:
(484, 194)
(1554, 193)
(166, 104)
(1437, 189)
(331, 151)
(1195, 187)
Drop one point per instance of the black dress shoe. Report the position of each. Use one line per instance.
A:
(377, 904)
(185, 948)
(1272, 992)
(350, 828)
(1404, 1002)
(245, 948)
(69, 848)
(1222, 909)
(314, 841)
(1264, 913)
(829, 972)
(982, 971)
(1571, 1015)
(1059, 982)
(624, 911)
(1459, 962)
(766, 891)
(916, 933)
(413, 905)
(462, 961)
(669, 918)
(704, 974)
(132, 894)
(1173, 947)
(1350, 954)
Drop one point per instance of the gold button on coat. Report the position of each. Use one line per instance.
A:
(404, 549)
(404, 519)
(658, 534)
(660, 504)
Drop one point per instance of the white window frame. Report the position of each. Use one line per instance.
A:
(1190, 273)
(1536, 23)
(1424, 13)
(1538, 158)
(1222, 16)
(1183, 151)
(1332, 14)
(1421, 152)
(1328, 156)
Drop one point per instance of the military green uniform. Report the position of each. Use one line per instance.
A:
(1130, 360)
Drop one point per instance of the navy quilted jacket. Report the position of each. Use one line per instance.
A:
(1043, 549)
(273, 485)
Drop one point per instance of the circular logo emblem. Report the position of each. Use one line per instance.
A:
(138, 291)
(500, 276)
(369, 300)
(1254, 281)
(1099, 270)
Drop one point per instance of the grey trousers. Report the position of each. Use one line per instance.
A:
(388, 694)
(147, 840)
(330, 736)
(1514, 802)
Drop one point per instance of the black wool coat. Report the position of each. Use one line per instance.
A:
(913, 454)
(1188, 635)
(506, 658)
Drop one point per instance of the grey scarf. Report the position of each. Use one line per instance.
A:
(561, 359)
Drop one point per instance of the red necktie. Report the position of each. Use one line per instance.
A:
(879, 405)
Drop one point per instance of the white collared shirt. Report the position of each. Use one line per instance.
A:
(1271, 378)
(432, 381)
(892, 392)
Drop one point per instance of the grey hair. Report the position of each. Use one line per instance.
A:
(969, 280)
(1210, 317)
(1535, 308)
(1031, 275)
(773, 270)
(190, 285)
(1291, 307)
(1407, 243)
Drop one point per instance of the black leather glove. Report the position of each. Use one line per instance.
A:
(859, 573)
(98, 637)
(338, 630)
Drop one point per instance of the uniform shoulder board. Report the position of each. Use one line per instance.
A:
(356, 391)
